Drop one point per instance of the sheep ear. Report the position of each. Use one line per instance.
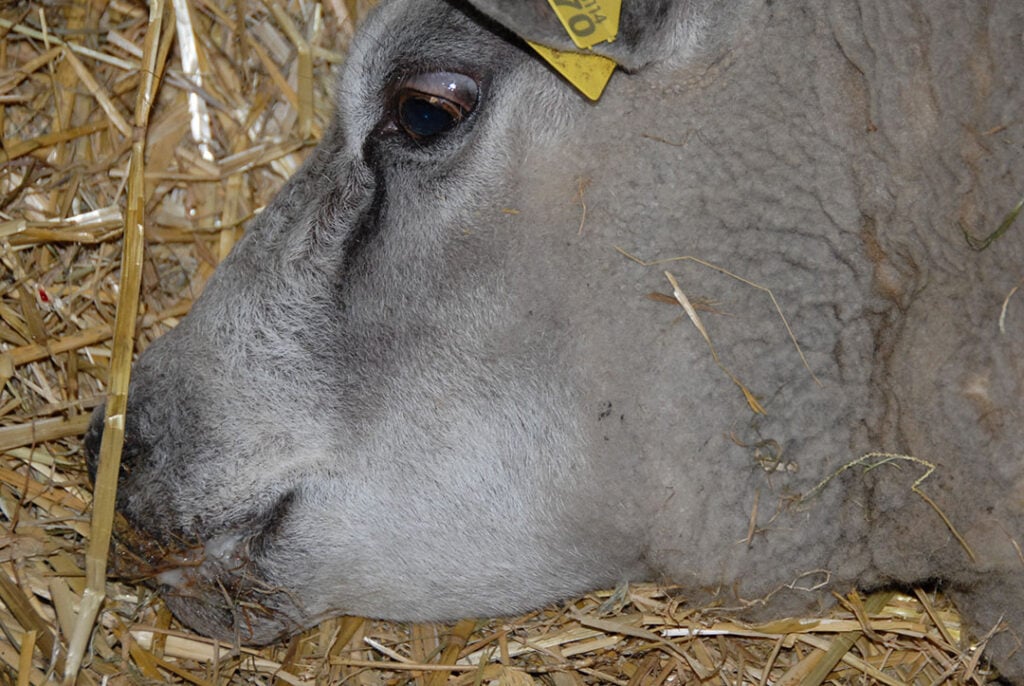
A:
(643, 33)
(532, 20)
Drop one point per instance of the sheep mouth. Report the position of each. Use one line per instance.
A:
(142, 556)
(213, 587)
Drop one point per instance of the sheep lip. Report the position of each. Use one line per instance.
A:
(217, 557)
(140, 556)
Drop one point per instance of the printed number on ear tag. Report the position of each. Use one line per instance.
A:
(588, 22)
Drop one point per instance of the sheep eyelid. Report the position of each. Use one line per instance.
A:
(453, 87)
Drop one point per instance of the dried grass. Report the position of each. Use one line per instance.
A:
(245, 90)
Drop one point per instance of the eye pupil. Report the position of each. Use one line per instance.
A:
(424, 117)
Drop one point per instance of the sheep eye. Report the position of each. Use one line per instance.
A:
(431, 104)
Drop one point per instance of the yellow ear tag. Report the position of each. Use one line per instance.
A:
(589, 73)
(588, 22)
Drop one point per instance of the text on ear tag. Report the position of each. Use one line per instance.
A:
(588, 22)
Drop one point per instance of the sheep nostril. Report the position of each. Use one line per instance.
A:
(94, 438)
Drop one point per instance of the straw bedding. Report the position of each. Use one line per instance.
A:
(244, 95)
